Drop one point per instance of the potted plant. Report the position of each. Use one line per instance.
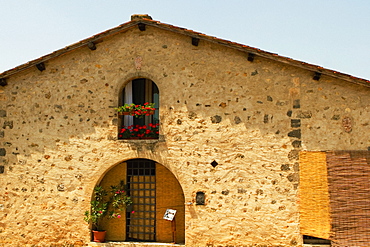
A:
(116, 202)
(138, 111)
(119, 200)
(150, 131)
(99, 207)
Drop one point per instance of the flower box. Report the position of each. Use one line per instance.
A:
(141, 138)
(150, 131)
(138, 111)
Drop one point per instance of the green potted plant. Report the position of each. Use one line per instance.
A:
(119, 200)
(99, 207)
(115, 201)
(138, 111)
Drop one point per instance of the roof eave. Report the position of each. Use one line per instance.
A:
(273, 56)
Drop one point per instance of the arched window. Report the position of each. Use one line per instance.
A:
(139, 94)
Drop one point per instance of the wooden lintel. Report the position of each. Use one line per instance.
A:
(91, 46)
(40, 66)
(317, 76)
(194, 41)
(3, 82)
(141, 26)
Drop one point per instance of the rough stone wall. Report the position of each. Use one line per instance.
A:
(334, 115)
(59, 129)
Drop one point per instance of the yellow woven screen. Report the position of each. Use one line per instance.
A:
(314, 195)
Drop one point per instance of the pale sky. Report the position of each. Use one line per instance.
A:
(334, 34)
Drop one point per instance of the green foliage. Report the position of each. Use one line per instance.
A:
(119, 200)
(99, 207)
(115, 202)
(138, 111)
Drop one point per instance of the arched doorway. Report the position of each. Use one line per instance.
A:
(153, 189)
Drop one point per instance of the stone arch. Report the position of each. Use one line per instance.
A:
(168, 195)
(122, 82)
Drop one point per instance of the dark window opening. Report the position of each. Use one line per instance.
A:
(140, 92)
(200, 198)
(214, 163)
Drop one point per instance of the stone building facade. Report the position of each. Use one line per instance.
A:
(233, 123)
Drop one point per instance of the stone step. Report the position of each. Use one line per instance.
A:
(132, 244)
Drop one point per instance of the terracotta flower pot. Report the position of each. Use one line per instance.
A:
(99, 236)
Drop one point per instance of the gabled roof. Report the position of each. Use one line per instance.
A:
(142, 20)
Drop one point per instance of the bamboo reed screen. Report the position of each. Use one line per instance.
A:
(349, 188)
(314, 195)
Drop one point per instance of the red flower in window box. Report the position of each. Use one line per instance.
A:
(150, 131)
